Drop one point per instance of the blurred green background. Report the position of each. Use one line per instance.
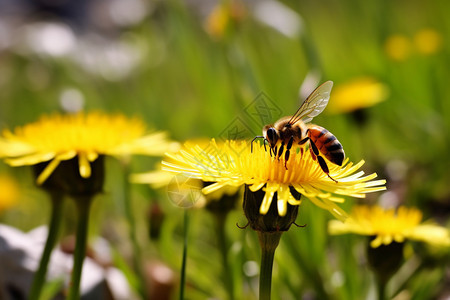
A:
(191, 68)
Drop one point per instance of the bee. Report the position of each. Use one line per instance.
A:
(294, 129)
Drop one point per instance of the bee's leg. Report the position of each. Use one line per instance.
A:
(288, 151)
(280, 151)
(312, 153)
(321, 160)
(304, 140)
(324, 167)
(274, 151)
(257, 137)
(314, 147)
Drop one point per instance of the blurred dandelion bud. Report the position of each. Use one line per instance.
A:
(155, 218)
(223, 17)
(10, 192)
(428, 41)
(398, 47)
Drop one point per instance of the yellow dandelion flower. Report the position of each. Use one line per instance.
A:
(357, 94)
(9, 192)
(398, 47)
(428, 41)
(85, 136)
(233, 163)
(388, 225)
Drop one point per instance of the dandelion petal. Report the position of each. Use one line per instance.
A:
(84, 166)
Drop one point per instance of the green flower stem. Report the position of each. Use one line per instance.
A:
(53, 229)
(381, 289)
(128, 205)
(83, 204)
(385, 261)
(268, 241)
(223, 246)
(183, 261)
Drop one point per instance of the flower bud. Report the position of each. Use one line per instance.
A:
(385, 260)
(271, 221)
(66, 178)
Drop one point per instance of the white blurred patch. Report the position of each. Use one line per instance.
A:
(251, 268)
(279, 17)
(71, 100)
(19, 258)
(397, 169)
(5, 35)
(118, 284)
(164, 273)
(337, 279)
(389, 200)
(126, 13)
(110, 59)
(47, 38)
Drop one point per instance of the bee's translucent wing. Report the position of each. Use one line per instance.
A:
(314, 104)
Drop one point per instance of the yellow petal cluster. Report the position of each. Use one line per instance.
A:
(389, 225)
(234, 163)
(58, 137)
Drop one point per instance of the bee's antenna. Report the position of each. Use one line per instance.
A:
(257, 137)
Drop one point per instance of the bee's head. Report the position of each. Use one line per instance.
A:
(271, 135)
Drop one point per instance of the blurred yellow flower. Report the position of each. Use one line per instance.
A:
(57, 138)
(398, 47)
(9, 192)
(428, 41)
(389, 225)
(356, 94)
(223, 16)
(232, 163)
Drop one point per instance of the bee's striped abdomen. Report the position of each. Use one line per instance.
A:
(327, 144)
